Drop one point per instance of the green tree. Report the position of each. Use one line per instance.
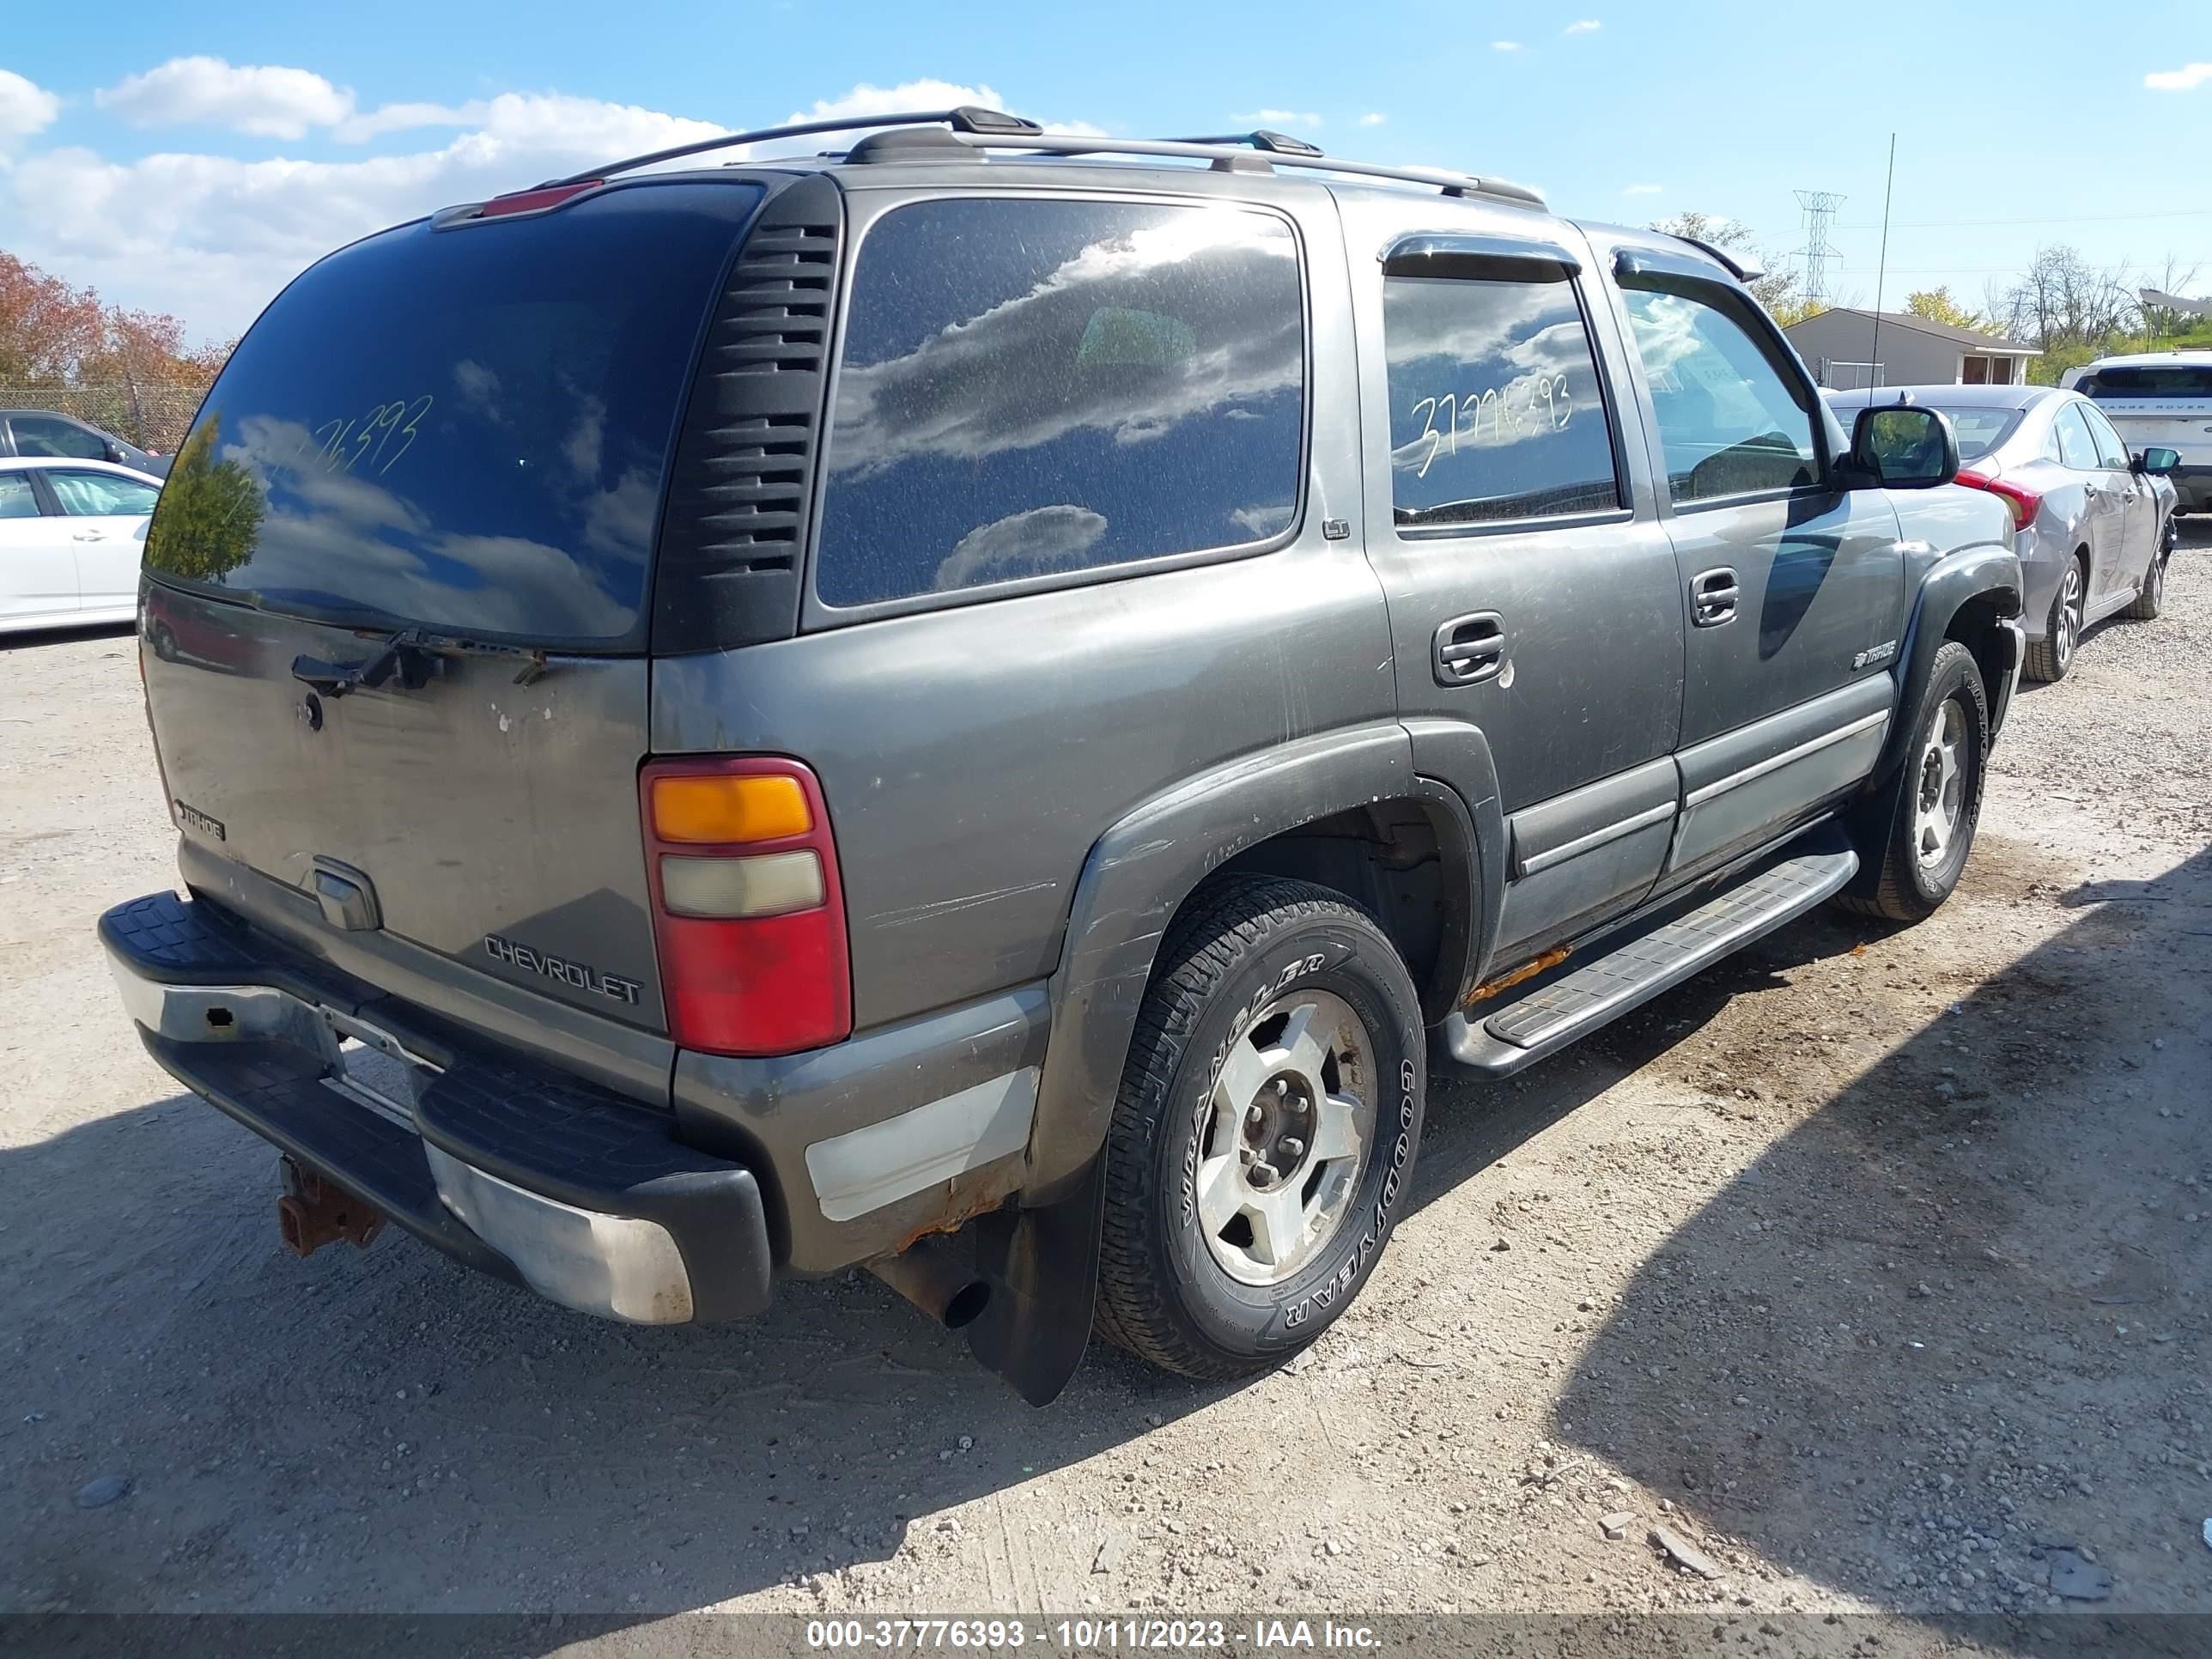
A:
(1936, 306)
(210, 513)
(1775, 288)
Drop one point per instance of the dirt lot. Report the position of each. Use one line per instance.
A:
(1875, 1265)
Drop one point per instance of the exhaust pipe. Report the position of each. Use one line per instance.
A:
(934, 1274)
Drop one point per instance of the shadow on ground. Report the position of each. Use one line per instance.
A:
(1914, 1389)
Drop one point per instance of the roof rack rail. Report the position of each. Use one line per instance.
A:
(967, 118)
(991, 129)
(1239, 149)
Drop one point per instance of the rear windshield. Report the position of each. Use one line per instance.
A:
(463, 428)
(1980, 430)
(2183, 380)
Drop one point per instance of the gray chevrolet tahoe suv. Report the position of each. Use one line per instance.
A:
(987, 705)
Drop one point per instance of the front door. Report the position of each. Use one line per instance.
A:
(107, 514)
(1531, 597)
(2134, 507)
(38, 578)
(1793, 589)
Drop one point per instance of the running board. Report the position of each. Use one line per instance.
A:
(1633, 971)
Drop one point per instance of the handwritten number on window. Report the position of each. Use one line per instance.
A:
(1546, 407)
(341, 445)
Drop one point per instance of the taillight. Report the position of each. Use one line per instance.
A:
(748, 911)
(2024, 503)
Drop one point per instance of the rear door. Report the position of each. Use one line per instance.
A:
(2104, 517)
(1794, 586)
(38, 577)
(405, 555)
(107, 514)
(1531, 589)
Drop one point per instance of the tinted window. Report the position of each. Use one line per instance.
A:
(2111, 451)
(16, 500)
(1729, 422)
(462, 427)
(1495, 407)
(42, 434)
(2191, 380)
(97, 494)
(1980, 430)
(2076, 448)
(1031, 387)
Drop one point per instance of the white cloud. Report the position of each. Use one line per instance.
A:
(1505, 45)
(265, 99)
(1644, 190)
(212, 238)
(867, 99)
(1282, 117)
(1373, 118)
(1583, 26)
(25, 108)
(2187, 78)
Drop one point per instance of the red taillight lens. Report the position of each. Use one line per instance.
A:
(2024, 503)
(751, 929)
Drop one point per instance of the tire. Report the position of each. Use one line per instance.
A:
(1192, 1276)
(2150, 598)
(1916, 841)
(2050, 657)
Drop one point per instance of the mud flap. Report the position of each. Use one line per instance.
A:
(1042, 1266)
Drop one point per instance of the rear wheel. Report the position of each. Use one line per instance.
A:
(1264, 1133)
(1914, 845)
(2050, 657)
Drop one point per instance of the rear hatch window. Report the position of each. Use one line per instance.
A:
(2181, 381)
(463, 428)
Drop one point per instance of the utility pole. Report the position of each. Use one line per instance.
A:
(1820, 207)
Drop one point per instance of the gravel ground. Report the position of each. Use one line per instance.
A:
(1871, 1266)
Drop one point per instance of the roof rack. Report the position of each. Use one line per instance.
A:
(967, 118)
(989, 129)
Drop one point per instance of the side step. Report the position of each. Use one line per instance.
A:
(1638, 969)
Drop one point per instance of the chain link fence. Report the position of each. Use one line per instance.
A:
(153, 415)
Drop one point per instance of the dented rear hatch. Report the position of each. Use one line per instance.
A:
(399, 587)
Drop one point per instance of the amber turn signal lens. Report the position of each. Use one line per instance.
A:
(726, 810)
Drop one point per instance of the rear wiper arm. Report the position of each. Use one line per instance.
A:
(403, 654)
(336, 679)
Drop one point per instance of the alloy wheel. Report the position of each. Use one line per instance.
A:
(1943, 790)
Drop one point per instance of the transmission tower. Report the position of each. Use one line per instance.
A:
(1820, 207)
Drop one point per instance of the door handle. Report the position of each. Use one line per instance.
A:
(1713, 595)
(1469, 649)
(86, 536)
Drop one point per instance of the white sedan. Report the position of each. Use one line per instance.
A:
(71, 536)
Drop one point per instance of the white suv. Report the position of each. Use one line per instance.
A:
(2159, 399)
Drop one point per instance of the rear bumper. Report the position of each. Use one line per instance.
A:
(2192, 487)
(540, 1178)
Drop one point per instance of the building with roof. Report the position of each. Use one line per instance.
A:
(1843, 350)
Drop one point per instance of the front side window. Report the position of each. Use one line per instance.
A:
(1032, 387)
(2076, 448)
(1495, 412)
(100, 495)
(2111, 451)
(42, 434)
(1729, 422)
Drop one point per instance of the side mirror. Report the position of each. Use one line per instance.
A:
(2157, 463)
(1905, 447)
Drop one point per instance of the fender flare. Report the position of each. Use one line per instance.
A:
(1138, 875)
(1986, 570)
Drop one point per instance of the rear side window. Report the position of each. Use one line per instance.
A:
(2182, 380)
(2076, 448)
(463, 428)
(1495, 408)
(16, 499)
(1731, 421)
(1030, 388)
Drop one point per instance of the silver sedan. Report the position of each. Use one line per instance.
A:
(2094, 524)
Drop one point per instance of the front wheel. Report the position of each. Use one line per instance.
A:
(1265, 1130)
(1914, 842)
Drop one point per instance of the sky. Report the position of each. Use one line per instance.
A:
(192, 159)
